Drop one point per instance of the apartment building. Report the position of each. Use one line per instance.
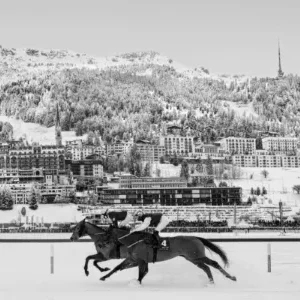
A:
(205, 150)
(246, 161)
(25, 158)
(81, 152)
(86, 168)
(181, 145)
(280, 145)
(119, 147)
(150, 152)
(269, 161)
(290, 161)
(17, 175)
(236, 145)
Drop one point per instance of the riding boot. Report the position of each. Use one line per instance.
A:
(155, 245)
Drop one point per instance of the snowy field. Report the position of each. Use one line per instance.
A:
(25, 274)
(37, 133)
(50, 213)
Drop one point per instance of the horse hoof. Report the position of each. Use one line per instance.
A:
(106, 269)
(86, 272)
(102, 278)
(210, 284)
(135, 283)
(233, 278)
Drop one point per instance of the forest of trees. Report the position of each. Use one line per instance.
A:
(121, 102)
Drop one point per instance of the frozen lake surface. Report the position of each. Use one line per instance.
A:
(25, 274)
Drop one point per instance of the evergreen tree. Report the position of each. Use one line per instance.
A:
(252, 191)
(147, 170)
(134, 161)
(223, 184)
(264, 191)
(33, 199)
(184, 172)
(6, 199)
(258, 191)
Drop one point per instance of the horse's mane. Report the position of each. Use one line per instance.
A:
(97, 227)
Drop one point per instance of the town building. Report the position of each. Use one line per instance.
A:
(280, 145)
(269, 161)
(237, 145)
(290, 161)
(150, 182)
(176, 144)
(50, 158)
(172, 196)
(246, 161)
(119, 147)
(150, 152)
(21, 176)
(81, 152)
(20, 191)
(85, 168)
(214, 151)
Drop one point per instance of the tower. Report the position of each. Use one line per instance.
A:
(58, 137)
(280, 73)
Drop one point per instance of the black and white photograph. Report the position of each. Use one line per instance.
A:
(149, 149)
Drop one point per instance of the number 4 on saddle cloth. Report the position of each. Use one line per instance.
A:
(164, 244)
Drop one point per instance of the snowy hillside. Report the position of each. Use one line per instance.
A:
(15, 63)
(38, 133)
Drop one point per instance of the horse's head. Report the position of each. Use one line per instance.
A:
(79, 231)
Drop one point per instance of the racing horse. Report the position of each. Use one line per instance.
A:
(99, 236)
(190, 247)
(106, 243)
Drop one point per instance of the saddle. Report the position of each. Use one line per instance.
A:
(163, 243)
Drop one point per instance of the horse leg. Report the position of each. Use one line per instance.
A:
(126, 264)
(143, 270)
(99, 257)
(216, 265)
(200, 264)
(98, 267)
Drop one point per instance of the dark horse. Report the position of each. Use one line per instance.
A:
(190, 247)
(105, 251)
(137, 251)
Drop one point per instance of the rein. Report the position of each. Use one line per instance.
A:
(125, 235)
(135, 243)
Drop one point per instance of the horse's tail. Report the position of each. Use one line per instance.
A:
(217, 249)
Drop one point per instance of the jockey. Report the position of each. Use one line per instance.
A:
(157, 220)
(119, 218)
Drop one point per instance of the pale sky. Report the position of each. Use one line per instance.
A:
(225, 36)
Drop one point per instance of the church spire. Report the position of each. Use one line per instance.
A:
(58, 137)
(280, 73)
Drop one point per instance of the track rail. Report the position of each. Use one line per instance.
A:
(223, 240)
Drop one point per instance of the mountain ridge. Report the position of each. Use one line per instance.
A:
(26, 61)
(124, 95)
